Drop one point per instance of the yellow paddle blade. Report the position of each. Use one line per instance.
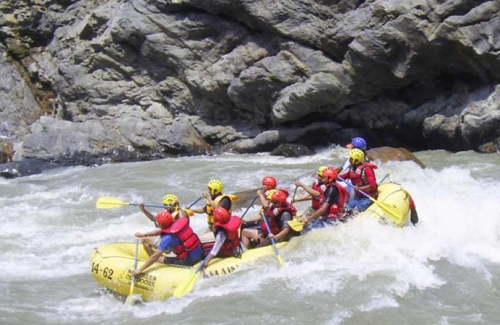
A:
(391, 211)
(189, 212)
(109, 203)
(280, 260)
(185, 287)
(296, 225)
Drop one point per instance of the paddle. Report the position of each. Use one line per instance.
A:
(249, 206)
(196, 201)
(388, 209)
(386, 175)
(111, 203)
(132, 283)
(280, 260)
(187, 286)
(296, 225)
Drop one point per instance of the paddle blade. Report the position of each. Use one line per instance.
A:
(391, 211)
(296, 225)
(280, 260)
(185, 287)
(109, 203)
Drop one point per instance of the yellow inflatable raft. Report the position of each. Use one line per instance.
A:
(393, 196)
(110, 264)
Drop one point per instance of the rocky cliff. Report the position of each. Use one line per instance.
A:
(93, 81)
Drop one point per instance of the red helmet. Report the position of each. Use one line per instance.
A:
(269, 182)
(330, 175)
(164, 219)
(221, 215)
(279, 196)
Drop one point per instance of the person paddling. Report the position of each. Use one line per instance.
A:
(176, 237)
(227, 240)
(279, 212)
(332, 202)
(214, 198)
(269, 184)
(362, 177)
(171, 204)
(358, 143)
(314, 192)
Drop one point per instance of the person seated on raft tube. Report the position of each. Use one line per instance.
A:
(171, 203)
(269, 184)
(362, 177)
(314, 192)
(332, 203)
(227, 239)
(358, 143)
(278, 212)
(214, 199)
(176, 237)
(255, 222)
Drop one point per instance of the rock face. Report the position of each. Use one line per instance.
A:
(86, 82)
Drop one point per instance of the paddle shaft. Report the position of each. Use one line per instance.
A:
(150, 205)
(386, 175)
(360, 191)
(272, 239)
(186, 286)
(191, 205)
(389, 210)
(249, 206)
(136, 258)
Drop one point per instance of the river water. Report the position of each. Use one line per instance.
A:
(444, 271)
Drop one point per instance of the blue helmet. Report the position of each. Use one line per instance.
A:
(359, 143)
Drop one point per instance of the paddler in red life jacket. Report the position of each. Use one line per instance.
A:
(171, 204)
(314, 192)
(362, 176)
(176, 237)
(214, 199)
(227, 240)
(269, 184)
(332, 203)
(278, 212)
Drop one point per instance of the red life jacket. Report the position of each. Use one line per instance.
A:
(316, 201)
(188, 239)
(358, 178)
(273, 216)
(233, 240)
(335, 209)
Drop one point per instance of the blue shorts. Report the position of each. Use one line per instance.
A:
(362, 203)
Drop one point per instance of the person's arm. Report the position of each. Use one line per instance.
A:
(321, 211)
(153, 257)
(256, 218)
(331, 197)
(300, 199)
(220, 238)
(263, 200)
(146, 212)
(308, 189)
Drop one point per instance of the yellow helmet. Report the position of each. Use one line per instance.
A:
(357, 156)
(321, 170)
(170, 199)
(270, 193)
(215, 186)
